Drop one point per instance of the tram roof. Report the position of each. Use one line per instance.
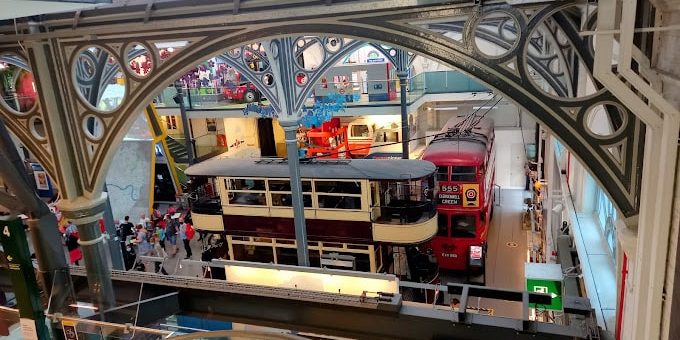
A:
(371, 169)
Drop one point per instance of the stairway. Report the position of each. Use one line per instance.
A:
(178, 150)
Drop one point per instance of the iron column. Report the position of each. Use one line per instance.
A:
(97, 263)
(290, 128)
(114, 244)
(403, 78)
(179, 99)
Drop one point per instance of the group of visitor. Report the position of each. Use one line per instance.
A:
(156, 237)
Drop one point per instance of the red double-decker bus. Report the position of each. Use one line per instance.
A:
(464, 155)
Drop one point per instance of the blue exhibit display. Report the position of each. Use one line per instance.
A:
(203, 324)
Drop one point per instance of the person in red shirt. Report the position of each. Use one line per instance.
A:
(102, 226)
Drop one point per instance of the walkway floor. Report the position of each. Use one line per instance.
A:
(507, 251)
(601, 287)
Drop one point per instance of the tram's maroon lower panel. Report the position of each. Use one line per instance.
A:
(281, 227)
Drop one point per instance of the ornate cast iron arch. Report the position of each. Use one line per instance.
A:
(617, 170)
(20, 123)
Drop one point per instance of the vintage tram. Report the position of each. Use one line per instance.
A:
(464, 155)
(365, 215)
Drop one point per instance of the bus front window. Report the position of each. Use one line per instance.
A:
(463, 174)
(463, 226)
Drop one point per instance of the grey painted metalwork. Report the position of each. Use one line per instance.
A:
(110, 227)
(97, 264)
(290, 131)
(373, 169)
(281, 53)
(614, 159)
(45, 235)
(346, 315)
(405, 136)
(188, 141)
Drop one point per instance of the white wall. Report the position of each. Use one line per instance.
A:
(128, 179)
(241, 133)
(510, 158)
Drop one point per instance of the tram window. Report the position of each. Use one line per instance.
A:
(442, 173)
(247, 198)
(279, 185)
(284, 185)
(246, 184)
(442, 223)
(286, 200)
(464, 173)
(360, 131)
(338, 187)
(387, 137)
(463, 226)
(339, 202)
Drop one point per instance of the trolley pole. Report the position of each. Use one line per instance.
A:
(403, 78)
(290, 128)
(179, 99)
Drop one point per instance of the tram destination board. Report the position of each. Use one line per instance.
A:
(449, 195)
(450, 199)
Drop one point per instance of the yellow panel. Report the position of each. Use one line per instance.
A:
(321, 280)
(405, 233)
(310, 213)
(207, 222)
(343, 215)
(471, 195)
(282, 212)
(254, 210)
(281, 150)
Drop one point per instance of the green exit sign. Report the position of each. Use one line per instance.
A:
(545, 278)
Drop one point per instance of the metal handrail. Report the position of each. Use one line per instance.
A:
(238, 288)
(499, 194)
(424, 208)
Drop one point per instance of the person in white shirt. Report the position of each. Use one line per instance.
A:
(158, 251)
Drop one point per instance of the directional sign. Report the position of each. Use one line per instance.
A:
(70, 332)
(552, 288)
(545, 278)
(22, 275)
